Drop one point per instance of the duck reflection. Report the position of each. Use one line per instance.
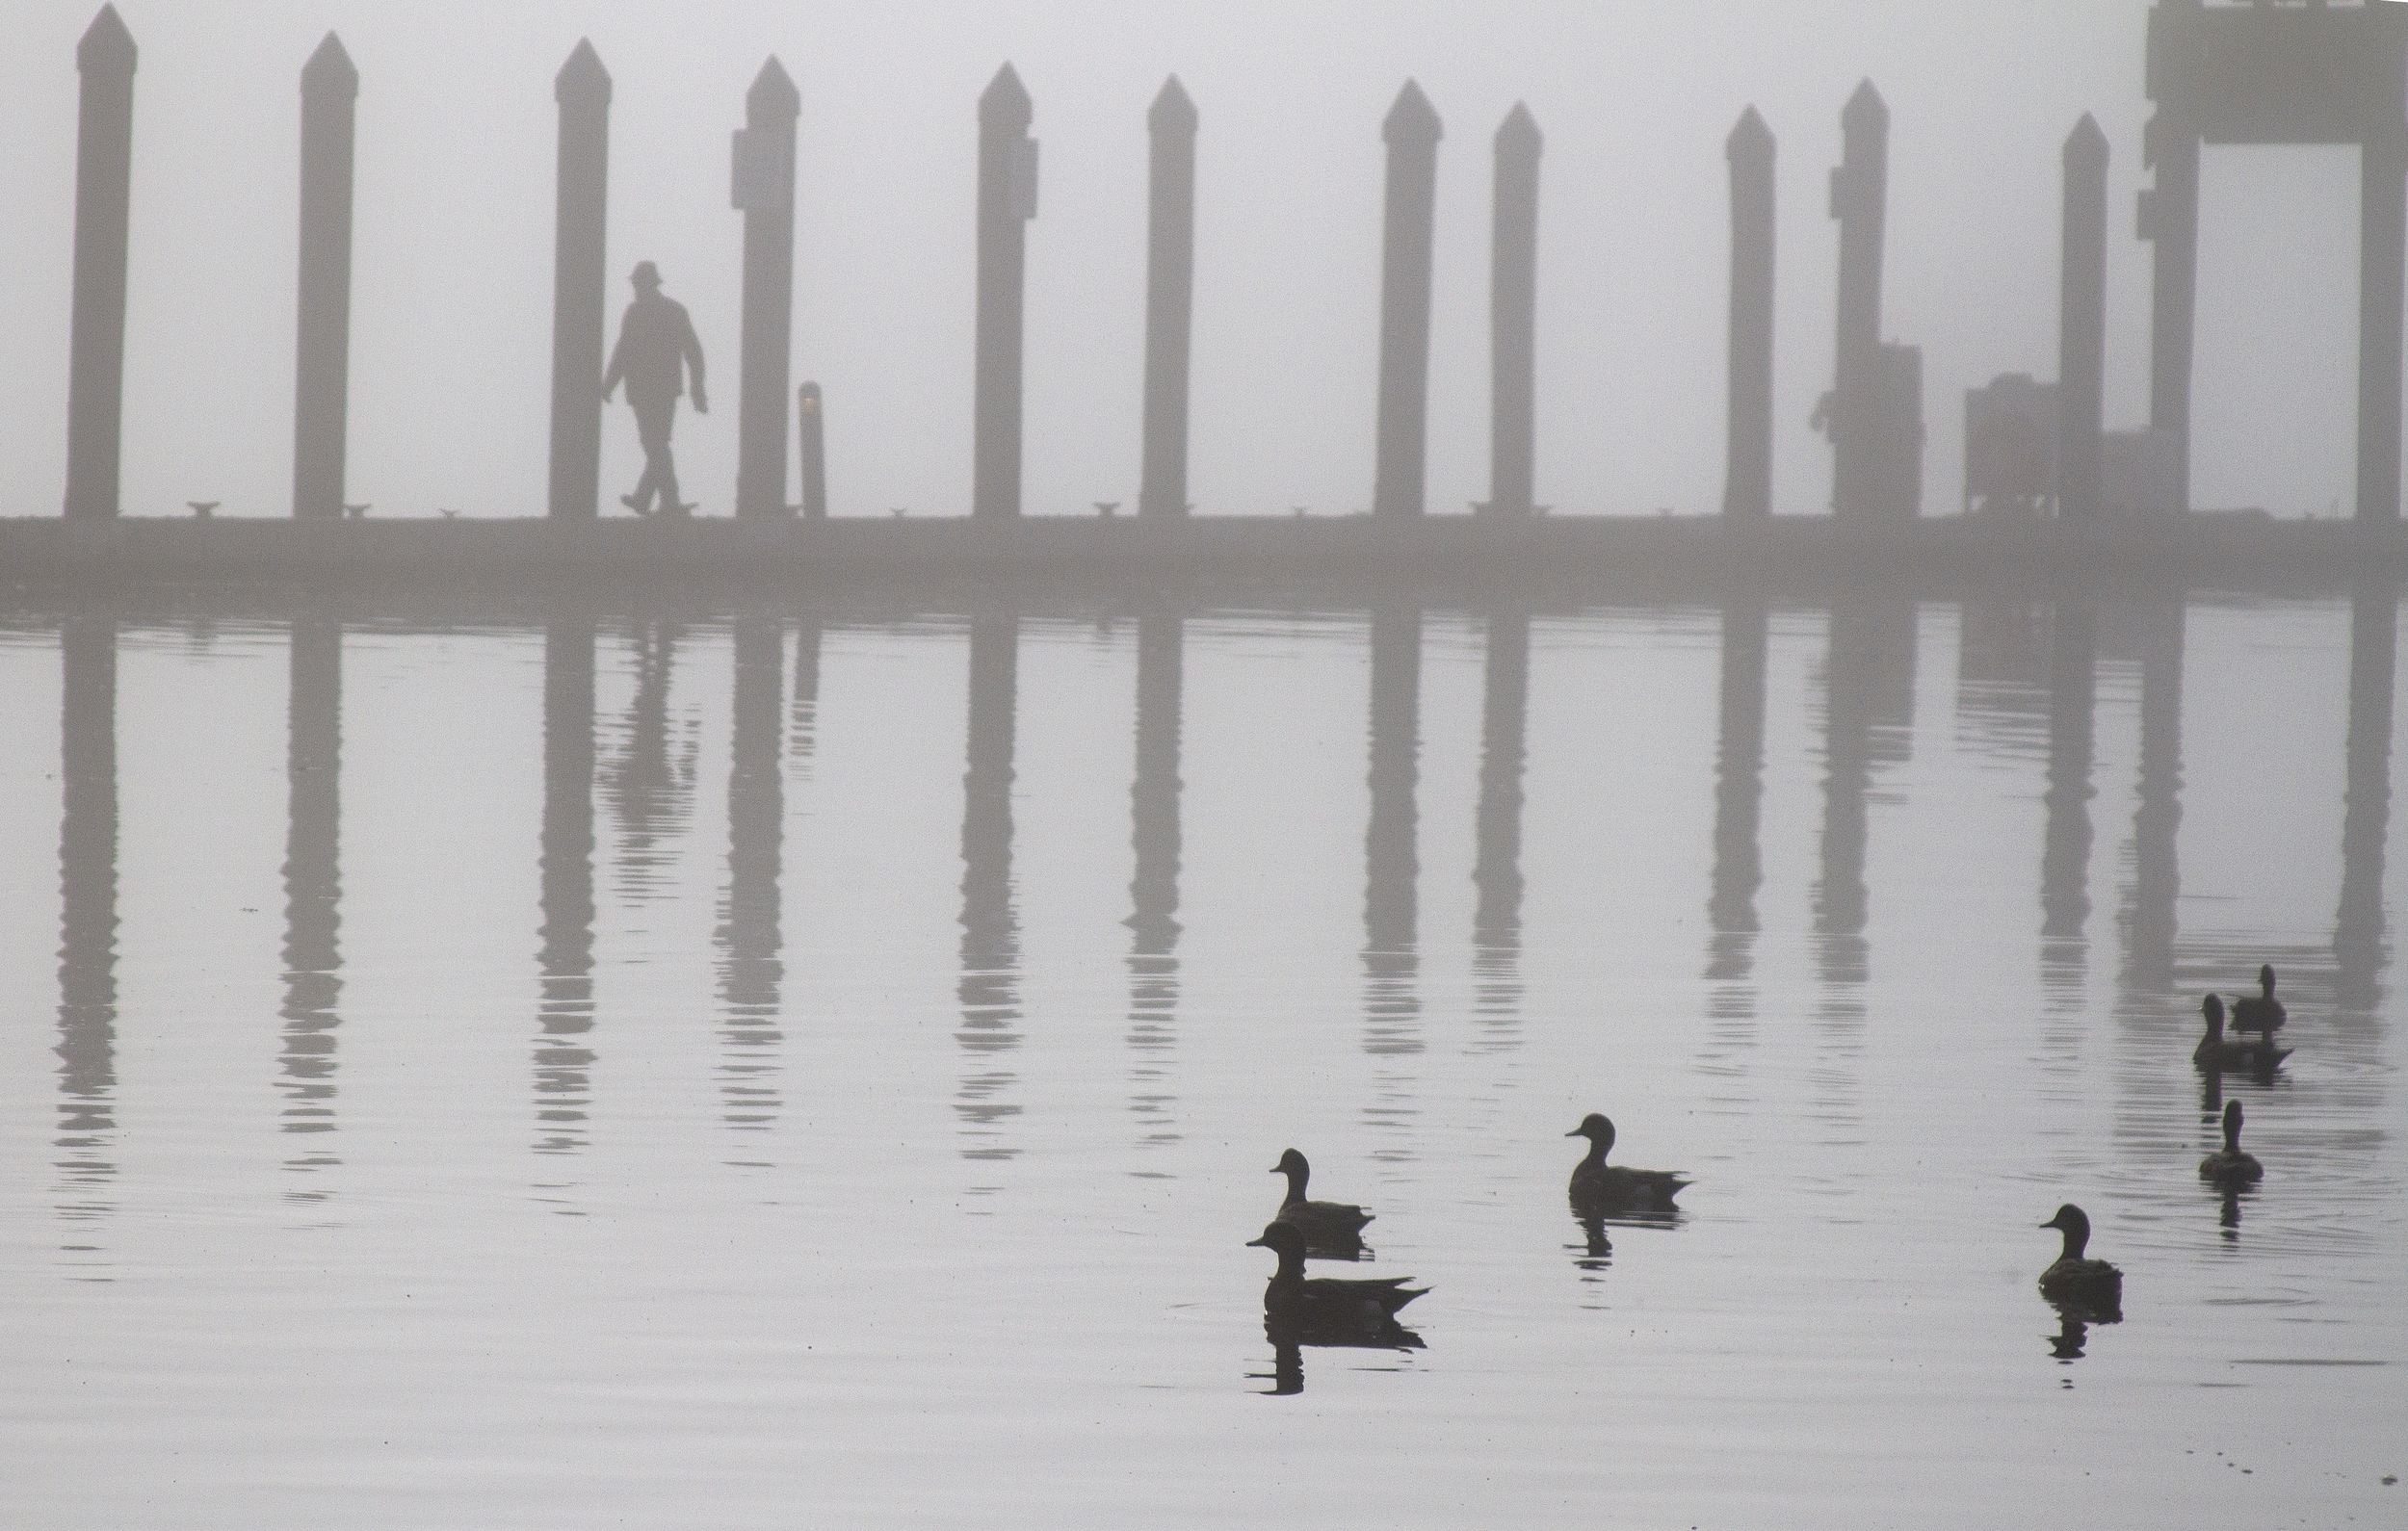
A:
(1596, 1250)
(2065, 847)
(2150, 920)
(564, 1062)
(650, 786)
(2357, 929)
(750, 971)
(2073, 1331)
(88, 897)
(1496, 849)
(312, 885)
(1154, 885)
(990, 944)
(1869, 703)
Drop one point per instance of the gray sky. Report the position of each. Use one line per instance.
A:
(450, 287)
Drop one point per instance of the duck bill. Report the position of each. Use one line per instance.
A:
(1575, 1132)
(1257, 1243)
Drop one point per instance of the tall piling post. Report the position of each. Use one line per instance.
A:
(2382, 270)
(1513, 315)
(1859, 201)
(2169, 219)
(104, 157)
(581, 226)
(1747, 478)
(765, 190)
(1411, 132)
(322, 348)
(2082, 325)
(811, 433)
(1007, 201)
(1170, 301)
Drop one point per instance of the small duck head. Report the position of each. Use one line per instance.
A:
(1291, 1164)
(2213, 1010)
(2075, 1227)
(1284, 1241)
(1597, 1131)
(2266, 979)
(2231, 1127)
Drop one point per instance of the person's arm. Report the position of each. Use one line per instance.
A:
(693, 348)
(619, 363)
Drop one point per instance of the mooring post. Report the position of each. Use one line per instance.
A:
(1170, 301)
(581, 226)
(1859, 199)
(2082, 325)
(813, 446)
(104, 154)
(1007, 201)
(2169, 217)
(322, 364)
(765, 190)
(1411, 132)
(1747, 478)
(1513, 315)
(2382, 270)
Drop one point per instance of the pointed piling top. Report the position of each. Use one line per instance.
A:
(583, 79)
(1866, 111)
(2086, 145)
(1172, 111)
(1750, 140)
(107, 48)
(1004, 103)
(772, 94)
(329, 73)
(1518, 134)
(1412, 119)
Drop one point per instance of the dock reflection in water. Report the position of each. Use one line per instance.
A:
(1875, 971)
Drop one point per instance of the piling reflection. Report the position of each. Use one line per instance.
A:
(649, 787)
(749, 940)
(990, 991)
(564, 1012)
(1738, 802)
(2151, 904)
(1154, 885)
(1497, 830)
(312, 887)
(87, 924)
(1869, 700)
(1392, 866)
(2360, 951)
(2065, 850)
(803, 725)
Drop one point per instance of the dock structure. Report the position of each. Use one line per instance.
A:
(2322, 74)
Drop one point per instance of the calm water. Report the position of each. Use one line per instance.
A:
(775, 1071)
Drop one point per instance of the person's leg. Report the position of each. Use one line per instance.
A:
(652, 430)
(671, 503)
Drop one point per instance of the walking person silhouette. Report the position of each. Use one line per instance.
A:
(656, 347)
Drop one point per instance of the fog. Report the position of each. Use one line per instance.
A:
(450, 287)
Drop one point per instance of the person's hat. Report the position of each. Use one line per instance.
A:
(646, 274)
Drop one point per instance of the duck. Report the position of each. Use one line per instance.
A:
(2261, 1011)
(2091, 1284)
(2229, 1165)
(1326, 1311)
(1332, 1225)
(1596, 1182)
(2217, 1055)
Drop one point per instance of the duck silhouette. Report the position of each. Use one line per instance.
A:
(1331, 1230)
(2261, 1011)
(1599, 1184)
(2220, 1056)
(2092, 1288)
(1325, 1310)
(2229, 1165)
